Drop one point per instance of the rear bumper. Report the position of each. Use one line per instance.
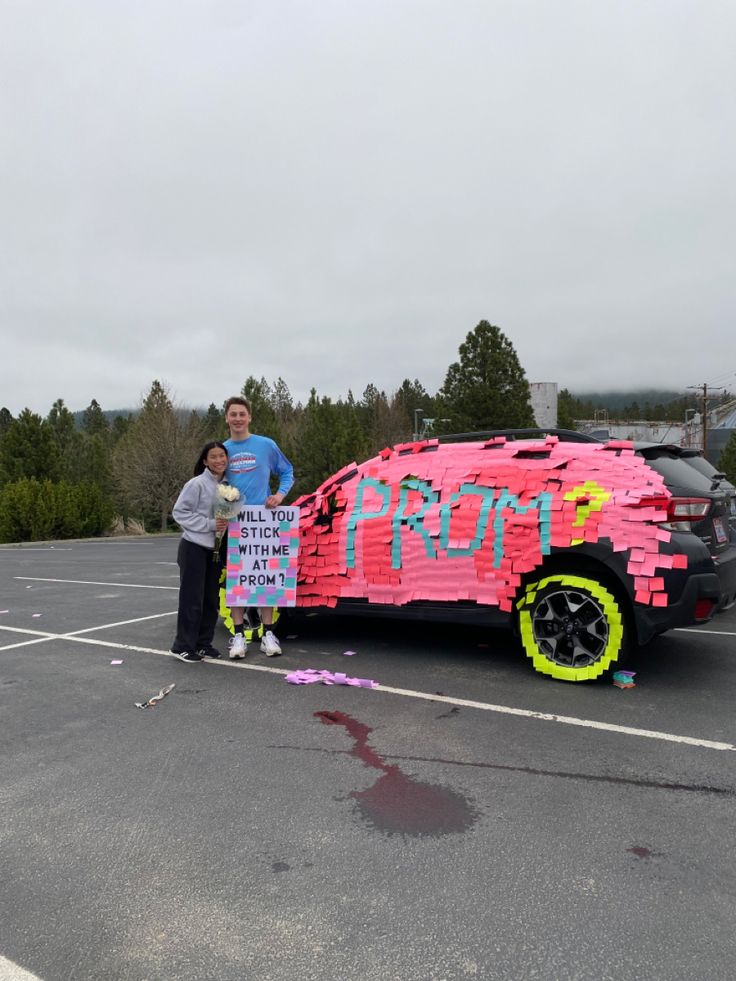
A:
(651, 621)
(725, 564)
(685, 588)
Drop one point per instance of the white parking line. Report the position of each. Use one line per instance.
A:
(9, 971)
(120, 623)
(47, 548)
(43, 635)
(126, 543)
(84, 582)
(404, 692)
(24, 630)
(26, 643)
(699, 630)
(564, 719)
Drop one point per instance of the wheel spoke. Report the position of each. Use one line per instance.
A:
(570, 628)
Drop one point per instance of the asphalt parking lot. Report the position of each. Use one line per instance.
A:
(468, 818)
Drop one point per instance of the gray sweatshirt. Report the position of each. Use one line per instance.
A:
(194, 509)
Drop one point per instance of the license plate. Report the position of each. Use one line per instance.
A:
(719, 529)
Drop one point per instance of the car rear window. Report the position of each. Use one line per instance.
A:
(708, 470)
(701, 464)
(678, 472)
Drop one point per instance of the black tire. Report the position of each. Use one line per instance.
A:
(572, 627)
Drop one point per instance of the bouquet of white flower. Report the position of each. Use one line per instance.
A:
(227, 504)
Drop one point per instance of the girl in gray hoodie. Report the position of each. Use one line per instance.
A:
(199, 582)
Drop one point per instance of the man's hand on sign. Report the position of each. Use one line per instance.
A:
(273, 500)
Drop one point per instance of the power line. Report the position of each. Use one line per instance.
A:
(723, 378)
(704, 388)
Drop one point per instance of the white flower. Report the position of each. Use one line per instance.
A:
(227, 493)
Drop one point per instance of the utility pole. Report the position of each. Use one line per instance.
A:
(704, 388)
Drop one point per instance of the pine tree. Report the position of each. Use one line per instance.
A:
(120, 426)
(68, 440)
(213, 423)
(263, 416)
(412, 395)
(94, 419)
(727, 459)
(487, 387)
(28, 450)
(156, 456)
(330, 437)
(94, 462)
(373, 412)
(567, 407)
(6, 418)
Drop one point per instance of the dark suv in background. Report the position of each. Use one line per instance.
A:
(703, 502)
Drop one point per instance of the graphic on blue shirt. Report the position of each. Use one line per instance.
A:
(242, 462)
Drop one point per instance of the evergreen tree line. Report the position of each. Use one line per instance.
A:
(131, 467)
(668, 407)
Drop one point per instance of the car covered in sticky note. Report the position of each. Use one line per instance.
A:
(570, 543)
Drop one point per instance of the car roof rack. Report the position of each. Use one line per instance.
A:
(566, 435)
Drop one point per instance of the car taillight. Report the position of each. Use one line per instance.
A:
(682, 512)
(704, 609)
(688, 508)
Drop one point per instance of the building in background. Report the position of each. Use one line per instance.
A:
(721, 423)
(634, 429)
(544, 403)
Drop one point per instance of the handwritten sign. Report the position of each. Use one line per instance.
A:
(262, 557)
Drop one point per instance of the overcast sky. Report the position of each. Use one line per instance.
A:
(335, 193)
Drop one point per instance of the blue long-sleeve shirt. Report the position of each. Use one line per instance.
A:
(251, 462)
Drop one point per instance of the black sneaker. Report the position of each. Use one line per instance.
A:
(188, 656)
(209, 652)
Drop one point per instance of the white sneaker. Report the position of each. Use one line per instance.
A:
(269, 645)
(237, 647)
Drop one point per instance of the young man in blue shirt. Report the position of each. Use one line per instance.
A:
(252, 461)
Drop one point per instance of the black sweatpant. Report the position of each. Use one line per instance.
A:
(199, 597)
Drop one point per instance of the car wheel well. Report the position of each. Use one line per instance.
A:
(581, 565)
